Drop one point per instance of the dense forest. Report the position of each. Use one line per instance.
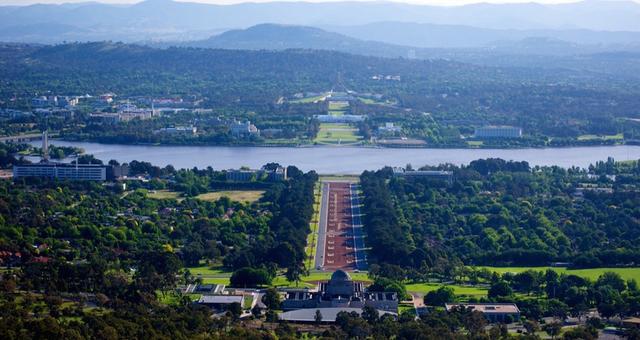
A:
(506, 213)
(459, 96)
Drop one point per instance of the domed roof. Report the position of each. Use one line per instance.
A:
(340, 275)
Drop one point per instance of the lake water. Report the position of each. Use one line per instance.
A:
(342, 160)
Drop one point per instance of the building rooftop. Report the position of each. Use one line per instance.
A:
(340, 275)
(221, 299)
(486, 307)
(328, 314)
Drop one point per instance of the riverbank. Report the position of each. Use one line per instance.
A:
(343, 160)
(401, 144)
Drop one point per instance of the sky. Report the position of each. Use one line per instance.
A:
(423, 2)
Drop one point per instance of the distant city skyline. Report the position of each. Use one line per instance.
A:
(228, 2)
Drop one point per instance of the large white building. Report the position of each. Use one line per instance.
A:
(498, 132)
(89, 172)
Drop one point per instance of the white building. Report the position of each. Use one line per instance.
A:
(243, 129)
(498, 132)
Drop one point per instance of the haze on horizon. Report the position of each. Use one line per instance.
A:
(228, 2)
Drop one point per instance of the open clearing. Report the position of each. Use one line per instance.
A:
(338, 105)
(164, 195)
(218, 276)
(457, 289)
(234, 195)
(591, 273)
(308, 99)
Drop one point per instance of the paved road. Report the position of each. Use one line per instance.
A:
(322, 226)
(358, 229)
(355, 232)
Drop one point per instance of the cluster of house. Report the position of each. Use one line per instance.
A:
(237, 128)
(386, 77)
(178, 130)
(124, 112)
(55, 101)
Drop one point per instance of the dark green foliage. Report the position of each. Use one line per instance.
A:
(506, 214)
(249, 277)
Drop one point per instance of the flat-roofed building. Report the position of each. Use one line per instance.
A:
(339, 292)
(432, 174)
(340, 118)
(250, 175)
(88, 172)
(329, 315)
(494, 312)
(498, 132)
(220, 302)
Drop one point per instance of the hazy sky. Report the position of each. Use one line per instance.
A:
(425, 2)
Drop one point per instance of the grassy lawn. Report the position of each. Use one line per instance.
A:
(337, 113)
(337, 133)
(457, 289)
(592, 273)
(619, 136)
(218, 276)
(307, 100)
(367, 100)
(312, 238)
(208, 271)
(235, 195)
(164, 195)
(338, 106)
(248, 300)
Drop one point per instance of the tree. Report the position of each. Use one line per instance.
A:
(531, 326)
(439, 296)
(557, 309)
(318, 317)
(370, 314)
(295, 272)
(611, 279)
(500, 289)
(474, 322)
(250, 277)
(553, 329)
(271, 298)
(235, 310)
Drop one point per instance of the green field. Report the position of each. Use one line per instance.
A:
(475, 143)
(458, 289)
(310, 250)
(164, 195)
(337, 133)
(592, 273)
(619, 136)
(338, 106)
(307, 100)
(234, 195)
(218, 276)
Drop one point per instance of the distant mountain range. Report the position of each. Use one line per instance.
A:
(282, 37)
(388, 22)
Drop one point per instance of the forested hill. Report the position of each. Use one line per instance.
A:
(552, 101)
(223, 75)
(282, 37)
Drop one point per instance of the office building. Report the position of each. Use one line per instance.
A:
(494, 312)
(498, 132)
